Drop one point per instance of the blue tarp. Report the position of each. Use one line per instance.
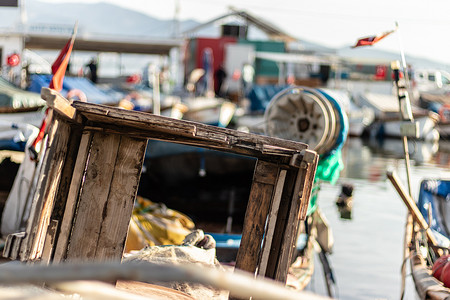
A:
(93, 93)
(260, 96)
(437, 194)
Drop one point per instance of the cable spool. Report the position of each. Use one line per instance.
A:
(305, 115)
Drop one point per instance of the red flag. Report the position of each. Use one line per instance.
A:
(60, 65)
(58, 70)
(369, 41)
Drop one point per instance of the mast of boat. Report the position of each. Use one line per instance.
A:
(408, 127)
(402, 99)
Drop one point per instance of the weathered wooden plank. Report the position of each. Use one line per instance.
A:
(47, 250)
(281, 223)
(62, 193)
(72, 197)
(12, 245)
(148, 122)
(271, 222)
(288, 244)
(8, 246)
(47, 189)
(122, 194)
(67, 172)
(56, 101)
(256, 215)
(94, 195)
(310, 161)
(300, 199)
(16, 244)
(258, 150)
(265, 174)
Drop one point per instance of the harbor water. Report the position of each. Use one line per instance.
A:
(368, 245)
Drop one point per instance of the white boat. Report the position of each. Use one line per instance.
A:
(209, 110)
(387, 120)
(359, 119)
(32, 117)
(439, 103)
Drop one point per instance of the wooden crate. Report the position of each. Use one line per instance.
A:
(90, 176)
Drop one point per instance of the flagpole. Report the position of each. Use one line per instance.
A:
(402, 54)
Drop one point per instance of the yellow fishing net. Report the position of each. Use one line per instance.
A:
(154, 224)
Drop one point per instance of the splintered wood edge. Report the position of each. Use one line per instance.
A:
(56, 101)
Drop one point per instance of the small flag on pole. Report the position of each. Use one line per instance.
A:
(369, 41)
(60, 64)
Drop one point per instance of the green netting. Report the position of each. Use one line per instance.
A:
(328, 169)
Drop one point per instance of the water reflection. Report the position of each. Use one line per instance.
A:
(367, 254)
(344, 201)
(359, 163)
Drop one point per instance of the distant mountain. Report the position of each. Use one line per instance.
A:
(94, 19)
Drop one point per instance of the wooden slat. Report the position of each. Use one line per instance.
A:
(310, 161)
(288, 244)
(17, 241)
(47, 189)
(258, 149)
(57, 102)
(12, 245)
(62, 194)
(47, 250)
(280, 225)
(145, 125)
(271, 222)
(256, 215)
(94, 196)
(299, 204)
(72, 197)
(145, 122)
(122, 194)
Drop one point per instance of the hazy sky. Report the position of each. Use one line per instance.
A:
(424, 26)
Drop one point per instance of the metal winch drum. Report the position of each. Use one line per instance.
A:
(307, 115)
